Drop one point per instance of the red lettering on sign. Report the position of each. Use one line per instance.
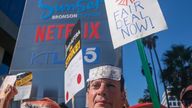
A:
(69, 27)
(95, 30)
(86, 30)
(124, 2)
(60, 29)
(40, 34)
(53, 32)
(50, 33)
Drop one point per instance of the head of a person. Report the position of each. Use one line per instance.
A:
(42, 103)
(186, 97)
(105, 87)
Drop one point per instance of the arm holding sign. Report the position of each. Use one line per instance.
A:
(8, 94)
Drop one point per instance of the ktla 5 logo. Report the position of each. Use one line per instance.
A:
(91, 55)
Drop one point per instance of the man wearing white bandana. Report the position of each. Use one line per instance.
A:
(105, 87)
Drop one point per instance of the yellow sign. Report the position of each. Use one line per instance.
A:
(25, 80)
(72, 53)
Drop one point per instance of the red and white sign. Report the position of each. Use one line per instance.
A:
(74, 77)
(74, 73)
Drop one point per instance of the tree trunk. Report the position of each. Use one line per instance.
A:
(157, 87)
(165, 87)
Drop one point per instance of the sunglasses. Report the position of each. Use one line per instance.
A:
(187, 102)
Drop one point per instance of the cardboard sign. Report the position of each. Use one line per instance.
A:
(74, 73)
(23, 85)
(133, 19)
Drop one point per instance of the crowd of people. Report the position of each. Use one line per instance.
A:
(105, 90)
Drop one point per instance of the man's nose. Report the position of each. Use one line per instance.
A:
(102, 89)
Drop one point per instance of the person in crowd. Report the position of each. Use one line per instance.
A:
(105, 87)
(42, 103)
(7, 95)
(186, 97)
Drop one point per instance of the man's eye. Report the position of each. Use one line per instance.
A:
(95, 85)
(110, 85)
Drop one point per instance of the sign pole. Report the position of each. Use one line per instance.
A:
(148, 76)
(73, 102)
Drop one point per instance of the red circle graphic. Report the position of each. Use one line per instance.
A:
(79, 78)
(67, 95)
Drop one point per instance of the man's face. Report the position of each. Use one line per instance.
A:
(187, 101)
(105, 93)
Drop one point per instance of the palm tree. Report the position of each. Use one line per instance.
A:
(178, 68)
(142, 70)
(146, 97)
(150, 43)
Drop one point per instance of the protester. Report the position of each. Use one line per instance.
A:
(186, 97)
(105, 87)
(43, 103)
(7, 95)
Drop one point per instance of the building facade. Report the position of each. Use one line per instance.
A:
(173, 102)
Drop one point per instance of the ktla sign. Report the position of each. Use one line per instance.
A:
(91, 55)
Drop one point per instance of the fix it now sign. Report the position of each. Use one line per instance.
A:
(133, 19)
(74, 73)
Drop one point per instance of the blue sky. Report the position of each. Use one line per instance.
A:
(178, 16)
